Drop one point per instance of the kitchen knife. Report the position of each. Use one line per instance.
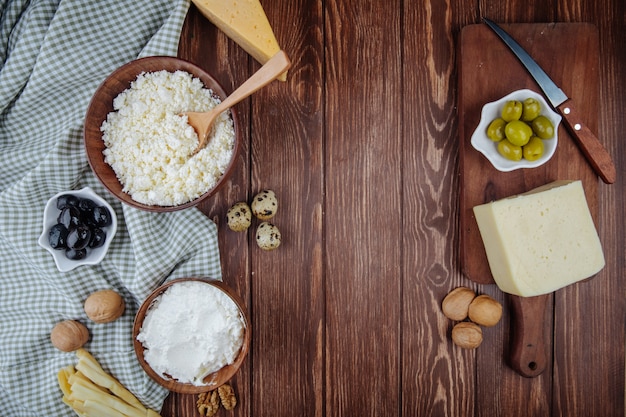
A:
(596, 154)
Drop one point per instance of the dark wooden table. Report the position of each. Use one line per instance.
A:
(361, 146)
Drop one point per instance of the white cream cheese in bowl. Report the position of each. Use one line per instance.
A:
(192, 329)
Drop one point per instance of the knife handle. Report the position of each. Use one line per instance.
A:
(596, 154)
(528, 355)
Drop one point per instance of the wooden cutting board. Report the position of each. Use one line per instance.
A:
(487, 71)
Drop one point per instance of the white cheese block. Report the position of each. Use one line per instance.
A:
(540, 241)
(245, 22)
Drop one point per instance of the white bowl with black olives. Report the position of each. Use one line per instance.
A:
(78, 227)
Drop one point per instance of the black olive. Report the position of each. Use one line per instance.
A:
(67, 200)
(69, 217)
(98, 236)
(78, 237)
(75, 254)
(86, 205)
(57, 236)
(101, 216)
(86, 217)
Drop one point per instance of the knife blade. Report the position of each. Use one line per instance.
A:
(596, 154)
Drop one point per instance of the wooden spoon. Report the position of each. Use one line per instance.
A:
(203, 121)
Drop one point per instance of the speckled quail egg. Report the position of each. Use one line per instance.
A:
(264, 205)
(268, 236)
(239, 217)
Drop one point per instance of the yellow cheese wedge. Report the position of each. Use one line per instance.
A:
(245, 22)
(540, 241)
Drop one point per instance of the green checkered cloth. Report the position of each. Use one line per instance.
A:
(53, 56)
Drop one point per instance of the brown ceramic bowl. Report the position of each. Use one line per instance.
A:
(213, 380)
(102, 104)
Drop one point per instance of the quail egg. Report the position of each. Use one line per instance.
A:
(239, 217)
(264, 205)
(268, 236)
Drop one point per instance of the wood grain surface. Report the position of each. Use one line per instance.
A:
(361, 146)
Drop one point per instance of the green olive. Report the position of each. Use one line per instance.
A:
(542, 126)
(509, 151)
(531, 109)
(495, 131)
(518, 132)
(512, 110)
(533, 150)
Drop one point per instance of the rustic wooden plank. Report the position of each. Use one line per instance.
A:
(287, 284)
(363, 217)
(437, 378)
(589, 339)
(516, 11)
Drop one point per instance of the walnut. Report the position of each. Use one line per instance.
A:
(208, 403)
(456, 304)
(227, 395)
(69, 335)
(104, 306)
(467, 335)
(485, 311)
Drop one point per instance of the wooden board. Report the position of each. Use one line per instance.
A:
(568, 52)
(487, 72)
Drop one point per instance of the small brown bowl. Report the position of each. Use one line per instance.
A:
(102, 104)
(213, 380)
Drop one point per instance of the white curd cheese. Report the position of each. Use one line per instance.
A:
(149, 144)
(190, 331)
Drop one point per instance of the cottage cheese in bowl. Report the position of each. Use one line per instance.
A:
(150, 145)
